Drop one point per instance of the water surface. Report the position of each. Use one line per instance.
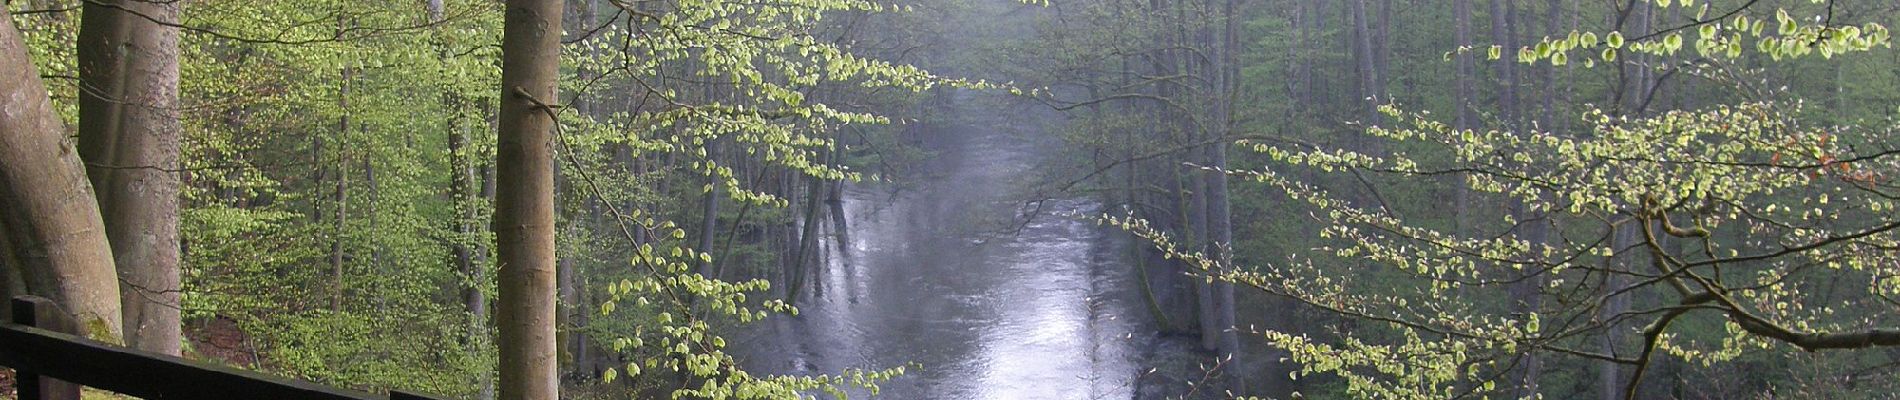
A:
(948, 276)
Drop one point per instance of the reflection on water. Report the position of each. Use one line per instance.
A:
(1044, 313)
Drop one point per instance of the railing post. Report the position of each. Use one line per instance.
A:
(42, 313)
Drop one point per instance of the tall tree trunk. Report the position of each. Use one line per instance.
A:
(339, 224)
(463, 187)
(467, 254)
(1168, 61)
(709, 209)
(1527, 292)
(1382, 48)
(1634, 83)
(1370, 94)
(524, 201)
(1316, 19)
(807, 242)
(1299, 64)
(1502, 27)
(1219, 221)
(374, 238)
(574, 293)
(834, 200)
(1193, 192)
(568, 294)
(476, 300)
(128, 136)
(1131, 176)
(55, 239)
(1464, 119)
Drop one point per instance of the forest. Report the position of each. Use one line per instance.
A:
(967, 199)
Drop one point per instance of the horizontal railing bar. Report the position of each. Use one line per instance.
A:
(153, 376)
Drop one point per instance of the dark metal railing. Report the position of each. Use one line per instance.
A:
(52, 363)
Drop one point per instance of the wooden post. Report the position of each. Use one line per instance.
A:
(40, 312)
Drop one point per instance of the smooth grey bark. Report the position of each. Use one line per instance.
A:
(524, 199)
(1184, 62)
(339, 224)
(709, 210)
(1466, 91)
(1219, 211)
(1634, 82)
(1197, 235)
(1609, 374)
(1131, 175)
(342, 193)
(1461, 105)
(55, 239)
(1219, 245)
(1167, 60)
(1502, 28)
(1301, 67)
(1371, 93)
(1527, 293)
(128, 137)
(1382, 47)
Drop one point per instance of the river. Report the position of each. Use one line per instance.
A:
(946, 276)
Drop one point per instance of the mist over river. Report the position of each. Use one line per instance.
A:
(957, 275)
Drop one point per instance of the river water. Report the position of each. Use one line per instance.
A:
(948, 277)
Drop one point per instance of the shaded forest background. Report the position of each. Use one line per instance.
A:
(1340, 198)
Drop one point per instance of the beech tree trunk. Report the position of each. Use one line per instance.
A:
(1219, 220)
(524, 200)
(1634, 83)
(1370, 94)
(1503, 28)
(54, 238)
(709, 210)
(339, 224)
(463, 191)
(128, 137)
(1462, 99)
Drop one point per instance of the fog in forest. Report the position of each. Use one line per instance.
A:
(954, 199)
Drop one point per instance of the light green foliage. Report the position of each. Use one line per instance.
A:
(261, 105)
(769, 80)
(1719, 38)
(1754, 185)
(1750, 220)
(265, 85)
(301, 114)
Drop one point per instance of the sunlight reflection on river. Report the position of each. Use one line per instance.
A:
(934, 278)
